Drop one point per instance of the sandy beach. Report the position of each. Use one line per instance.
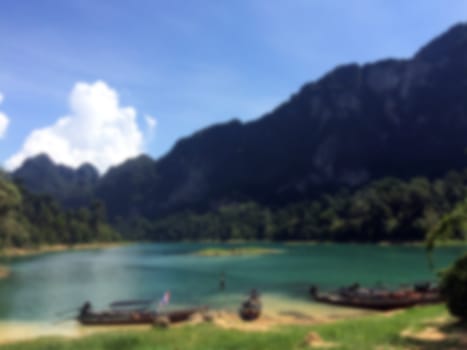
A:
(11, 332)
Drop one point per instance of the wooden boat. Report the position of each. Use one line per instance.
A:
(132, 317)
(249, 312)
(381, 300)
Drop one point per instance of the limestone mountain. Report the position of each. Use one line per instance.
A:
(399, 118)
(72, 187)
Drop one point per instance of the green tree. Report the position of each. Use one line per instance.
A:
(454, 288)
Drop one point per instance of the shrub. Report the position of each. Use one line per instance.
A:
(454, 288)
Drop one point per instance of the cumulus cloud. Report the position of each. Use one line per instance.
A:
(4, 120)
(97, 130)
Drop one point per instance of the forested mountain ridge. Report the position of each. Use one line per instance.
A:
(72, 187)
(400, 118)
(355, 125)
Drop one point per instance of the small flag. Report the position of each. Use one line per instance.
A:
(165, 299)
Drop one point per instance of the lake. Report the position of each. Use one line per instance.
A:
(42, 286)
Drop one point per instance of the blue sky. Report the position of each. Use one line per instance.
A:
(185, 64)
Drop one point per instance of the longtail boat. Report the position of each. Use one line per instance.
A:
(382, 300)
(132, 317)
(251, 308)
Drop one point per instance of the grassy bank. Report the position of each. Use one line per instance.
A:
(400, 330)
(237, 251)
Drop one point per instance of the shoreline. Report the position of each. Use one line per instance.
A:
(12, 332)
(234, 242)
(57, 248)
(427, 326)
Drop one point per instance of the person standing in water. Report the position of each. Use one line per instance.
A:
(222, 281)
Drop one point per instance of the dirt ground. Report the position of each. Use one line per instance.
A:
(441, 333)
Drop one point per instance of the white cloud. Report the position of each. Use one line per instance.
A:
(151, 122)
(97, 130)
(4, 122)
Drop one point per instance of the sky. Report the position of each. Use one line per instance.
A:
(102, 81)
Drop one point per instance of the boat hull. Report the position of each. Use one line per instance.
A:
(379, 303)
(249, 314)
(135, 318)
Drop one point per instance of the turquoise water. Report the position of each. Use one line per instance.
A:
(42, 286)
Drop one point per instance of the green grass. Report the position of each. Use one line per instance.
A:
(372, 332)
(213, 252)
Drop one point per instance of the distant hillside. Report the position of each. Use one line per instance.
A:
(126, 189)
(398, 118)
(72, 187)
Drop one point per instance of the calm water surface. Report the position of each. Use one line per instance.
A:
(39, 287)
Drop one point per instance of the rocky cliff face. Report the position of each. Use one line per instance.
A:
(398, 118)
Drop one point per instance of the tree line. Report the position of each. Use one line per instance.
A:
(389, 209)
(385, 210)
(30, 220)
